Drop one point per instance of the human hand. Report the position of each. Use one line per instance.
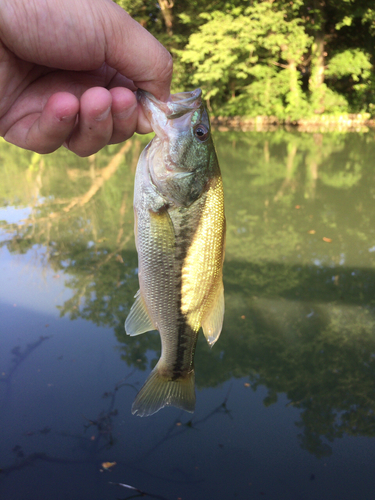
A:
(68, 72)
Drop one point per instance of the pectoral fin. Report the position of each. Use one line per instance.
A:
(213, 321)
(162, 232)
(139, 320)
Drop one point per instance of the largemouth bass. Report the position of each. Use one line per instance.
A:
(180, 233)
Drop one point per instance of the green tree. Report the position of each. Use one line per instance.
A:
(342, 34)
(275, 58)
(252, 52)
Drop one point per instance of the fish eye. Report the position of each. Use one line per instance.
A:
(201, 132)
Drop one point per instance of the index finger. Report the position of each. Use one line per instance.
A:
(136, 54)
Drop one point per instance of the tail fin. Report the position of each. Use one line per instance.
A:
(159, 391)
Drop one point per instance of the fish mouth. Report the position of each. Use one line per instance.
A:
(184, 102)
(173, 116)
(177, 104)
(172, 123)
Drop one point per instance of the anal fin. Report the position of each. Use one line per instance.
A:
(213, 322)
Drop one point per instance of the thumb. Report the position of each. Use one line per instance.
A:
(136, 54)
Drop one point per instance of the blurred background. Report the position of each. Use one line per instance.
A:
(287, 59)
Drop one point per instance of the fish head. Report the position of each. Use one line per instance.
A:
(182, 155)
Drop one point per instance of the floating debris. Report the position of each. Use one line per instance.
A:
(142, 493)
(108, 465)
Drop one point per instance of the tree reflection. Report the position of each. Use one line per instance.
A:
(19, 355)
(299, 274)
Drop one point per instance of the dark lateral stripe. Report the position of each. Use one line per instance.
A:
(182, 326)
(188, 223)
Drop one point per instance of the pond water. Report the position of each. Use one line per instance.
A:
(286, 397)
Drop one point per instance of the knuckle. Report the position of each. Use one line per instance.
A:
(82, 150)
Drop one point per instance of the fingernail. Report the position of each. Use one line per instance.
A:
(67, 118)
(104, 115)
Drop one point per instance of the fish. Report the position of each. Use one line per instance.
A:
(180, 239)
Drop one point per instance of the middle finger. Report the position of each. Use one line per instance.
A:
(94, 126)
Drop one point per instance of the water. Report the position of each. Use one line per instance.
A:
(286, 397)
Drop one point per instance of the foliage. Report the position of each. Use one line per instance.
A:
(352, 62)
(369, 18)
(351, 69)
(263, 57)
(244, 54)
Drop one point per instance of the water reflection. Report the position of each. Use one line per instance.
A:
(97, 436)
(299, 272)
(18, 356)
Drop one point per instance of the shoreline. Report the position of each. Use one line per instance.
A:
(329, 123)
